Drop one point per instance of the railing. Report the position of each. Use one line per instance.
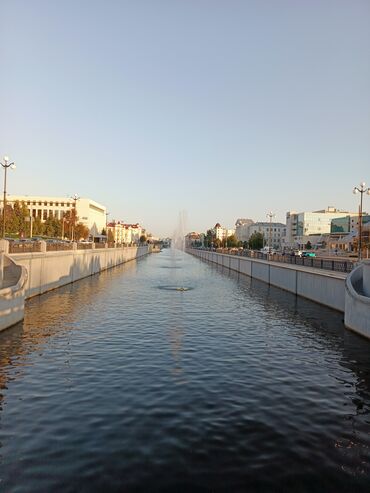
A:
(84, 246)
(318, 263)
(56, 247)
(24, 247)
(35, 246)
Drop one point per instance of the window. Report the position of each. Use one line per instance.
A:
(44, 215)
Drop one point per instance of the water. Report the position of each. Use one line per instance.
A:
(116, 384)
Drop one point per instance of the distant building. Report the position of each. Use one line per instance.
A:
(275, 231)
(222, 233)
(301, 226)
(125, 234)
(242, 229)
(90, 213)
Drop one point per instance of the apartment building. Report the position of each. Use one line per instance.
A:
(274, 231)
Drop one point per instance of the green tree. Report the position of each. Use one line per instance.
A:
(308, 245)
(231, 241)
(142, 239)
(256, 241)
(209, 238)
(37, 227)
(52, 227)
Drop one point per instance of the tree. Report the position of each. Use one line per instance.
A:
(81, 232)
(256, 241)
(52, 227)
(142, 239)
(209, 238)
(231, 241)
(308, 245)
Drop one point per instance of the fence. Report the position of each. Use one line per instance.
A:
(318, 263)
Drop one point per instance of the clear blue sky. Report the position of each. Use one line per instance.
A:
(224, 109)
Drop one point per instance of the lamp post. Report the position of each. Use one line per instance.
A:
(75, 198)
(106, 225)
(270, 215)
(5, 165)
(361, 190)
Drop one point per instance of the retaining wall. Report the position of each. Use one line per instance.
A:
(324, 287)
(50, 270)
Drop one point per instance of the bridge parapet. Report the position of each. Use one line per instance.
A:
(357, 300)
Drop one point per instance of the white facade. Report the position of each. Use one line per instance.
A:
(274, 231)
(242, 229)
(222, 233)
(125, 233)
(304, 224)
(90, 213)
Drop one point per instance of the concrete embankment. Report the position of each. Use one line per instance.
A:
(357, 300)
(24, 275)
(50, 270)
(12, 292)
(324, 287)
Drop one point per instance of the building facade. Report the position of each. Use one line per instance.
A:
(303, 225)
(272, 233)
(125, 234)
(242, 229)
(90, 213)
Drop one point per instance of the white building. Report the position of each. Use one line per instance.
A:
(302, 225)
(222, 233)
(270, 231)
(125, 233)
(242, 229)
(90, 213)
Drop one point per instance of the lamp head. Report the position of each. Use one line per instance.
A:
(13, 166)
(355, 190)
(363, 184)
(6, 159)
(368, 191)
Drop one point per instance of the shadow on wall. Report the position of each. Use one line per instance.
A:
(50, 271)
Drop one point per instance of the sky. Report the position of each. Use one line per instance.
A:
(219, 108)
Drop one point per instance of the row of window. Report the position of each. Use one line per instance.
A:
(50, 204)
(45, 214)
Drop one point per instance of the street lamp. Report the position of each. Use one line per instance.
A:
(270, 215)
(75, 198)
(106, 225)
(5, 165)
(361, 189)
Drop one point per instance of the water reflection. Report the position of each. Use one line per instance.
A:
(221, 386)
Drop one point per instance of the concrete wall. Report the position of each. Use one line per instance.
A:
(357, 303)
(50, 270)
(324, 287)
(12, 293)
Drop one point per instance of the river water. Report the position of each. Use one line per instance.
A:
(121, 383)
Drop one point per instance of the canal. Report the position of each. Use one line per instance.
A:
(121, 382)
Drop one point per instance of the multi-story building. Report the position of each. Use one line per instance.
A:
(242, 229)
(303, 225)
(125, 233)
(90, 213)
(273, 232)
(222, 233)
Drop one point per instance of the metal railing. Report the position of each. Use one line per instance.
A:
(24, 247)
(315, 262)
(56, 247)
(84, 246)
